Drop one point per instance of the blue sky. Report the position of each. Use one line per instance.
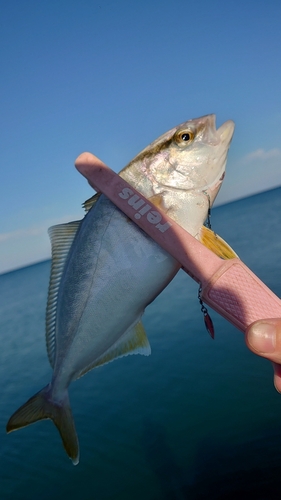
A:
(109, 77)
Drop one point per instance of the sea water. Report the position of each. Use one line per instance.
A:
(198, 419)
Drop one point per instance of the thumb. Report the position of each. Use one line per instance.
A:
(264, 339)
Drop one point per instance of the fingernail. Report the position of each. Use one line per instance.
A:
(262, 337)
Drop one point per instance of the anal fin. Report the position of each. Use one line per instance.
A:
(133, 341)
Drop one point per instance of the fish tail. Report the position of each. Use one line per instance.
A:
(41, 407)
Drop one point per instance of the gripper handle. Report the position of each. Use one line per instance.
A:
(238, 295)
(229, 287)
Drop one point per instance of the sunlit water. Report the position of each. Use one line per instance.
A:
(197, 419)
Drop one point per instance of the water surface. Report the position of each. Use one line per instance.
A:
(197, 419)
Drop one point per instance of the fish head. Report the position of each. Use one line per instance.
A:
(198, 154)
(191, 156)
(183, 169)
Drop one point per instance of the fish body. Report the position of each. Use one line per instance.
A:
(105, 270)
(113, 282)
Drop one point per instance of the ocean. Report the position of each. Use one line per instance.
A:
(198, 419)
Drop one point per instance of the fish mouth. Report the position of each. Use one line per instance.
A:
(225, 131)
(214, 136)
(223, 137)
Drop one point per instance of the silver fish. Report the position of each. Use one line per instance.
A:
(105, 270)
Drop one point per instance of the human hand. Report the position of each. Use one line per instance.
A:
(264, 338)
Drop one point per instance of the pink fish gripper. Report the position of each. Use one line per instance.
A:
(227, 286)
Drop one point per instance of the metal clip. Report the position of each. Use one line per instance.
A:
(207, 319)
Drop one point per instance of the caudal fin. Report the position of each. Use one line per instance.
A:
(41, 407)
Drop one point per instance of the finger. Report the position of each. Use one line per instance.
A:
(85, 164)
(264, 338)
(277, 376)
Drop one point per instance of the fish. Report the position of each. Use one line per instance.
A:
(105, 270)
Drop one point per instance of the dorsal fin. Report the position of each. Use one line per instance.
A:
(215, 243)
(134, 341)
(61, 237)
(88, 204)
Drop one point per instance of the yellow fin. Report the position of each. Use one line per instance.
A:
(215, 243)
(88, 204)
(134, 341)
(157, 200)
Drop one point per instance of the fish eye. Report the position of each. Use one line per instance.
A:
(184, 137)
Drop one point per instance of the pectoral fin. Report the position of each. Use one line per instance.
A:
(215, 243)
(157, 200)
(134, 341)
